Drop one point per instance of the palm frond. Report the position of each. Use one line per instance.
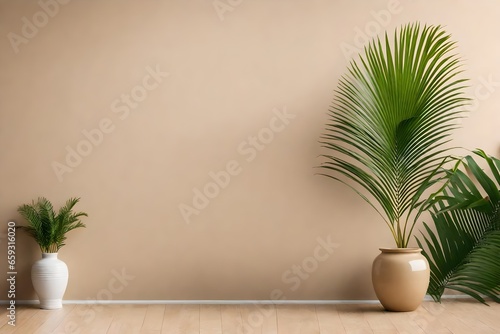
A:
(48, 228)
(463, 250)
(392, 113)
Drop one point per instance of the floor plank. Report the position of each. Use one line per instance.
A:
(231, 319)
(23, 316)
(210, 319)
(378, 320)
(128, 320)
(41, 321)
(353, 320)
(457, 314)
(429, 320)
(297, 319)
(154, 319)
(252, 319)
(270, 323)
(181, 319)
(52, 319)
(258, 318)
(329, 320)
(3, 314)
(85, 318)
(486, 314)
(404, 323)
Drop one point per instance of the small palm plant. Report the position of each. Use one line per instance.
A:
(48, 228)
(392, 115)
(463, 249)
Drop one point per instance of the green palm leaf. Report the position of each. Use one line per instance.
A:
(48, 228)
(392, 113)
(463, 250)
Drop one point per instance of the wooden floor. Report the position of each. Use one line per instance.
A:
(452, 316)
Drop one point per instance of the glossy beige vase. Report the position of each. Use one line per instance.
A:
(400, 278)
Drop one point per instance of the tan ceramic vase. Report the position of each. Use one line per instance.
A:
(400, 278)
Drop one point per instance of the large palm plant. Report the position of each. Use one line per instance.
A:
(48, 228)
(392, 113)
(463, 252)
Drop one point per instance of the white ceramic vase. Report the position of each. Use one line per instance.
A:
(49, 276)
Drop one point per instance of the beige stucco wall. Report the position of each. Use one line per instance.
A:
(137, 106)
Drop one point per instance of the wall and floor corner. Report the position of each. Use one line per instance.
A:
(190, 131)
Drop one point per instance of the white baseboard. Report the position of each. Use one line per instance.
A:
(200, 302)
(223, 302)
